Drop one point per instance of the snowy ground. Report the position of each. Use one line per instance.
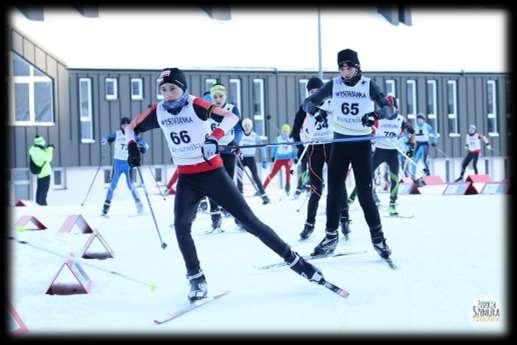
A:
(450, 255)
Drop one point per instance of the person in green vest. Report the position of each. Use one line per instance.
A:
(40, 164)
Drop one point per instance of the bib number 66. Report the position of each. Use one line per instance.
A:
(182, 137)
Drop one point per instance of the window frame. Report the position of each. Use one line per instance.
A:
(453, 115)
(62, 185)
(259, 115)
(139, 96)
(392, 82)
(238, 96)
(20, 182)
(412, 115)
(432, 116)
(492, 116)
(88, 118)
(304, 88)
(113, 96)
(159, 95)
(30, 80)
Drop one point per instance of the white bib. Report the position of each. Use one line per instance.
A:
(185, 133)
(230, 135)
(246, 140)
(120, 146)
(349, 104)
(390, 129)
(473, 142)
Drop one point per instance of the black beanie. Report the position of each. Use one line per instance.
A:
(348, 55)
(174, 76)
(314, 83)
(125, 120)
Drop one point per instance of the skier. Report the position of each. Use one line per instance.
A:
(319, 130)
(473, 147)
(281, 156)
(219, 95)
(183, 118)
(424, 134)
(386, 150)
(249, 137)
(121, 166)
(352, 103)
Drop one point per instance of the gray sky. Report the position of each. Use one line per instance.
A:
(438, 40)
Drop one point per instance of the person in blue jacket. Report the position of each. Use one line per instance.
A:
(425, 134)
(121, 166)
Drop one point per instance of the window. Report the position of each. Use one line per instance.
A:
(302, 90)
(452, 108)
(209, 83)
(258, 106)
(111, 88)
(31, 93)
(137, 89)
(85, 110)
(58, 178)
(491, 103)
(158, 92)
(235, 93)
(411, 100)
(390, 87)
(431, 104)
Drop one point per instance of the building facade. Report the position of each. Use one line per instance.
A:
(74, 108)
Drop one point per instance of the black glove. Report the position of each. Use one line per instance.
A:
(295, 160)
(133, 157)
(320, 116)
(51, 145)
(433, 144)
(368, 119)
(142, 149)
(273, 159)
(210, 147)
(411, 151)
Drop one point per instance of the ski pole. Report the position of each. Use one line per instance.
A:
(293, 169)
(443, 153)
(156, 182)
(408, 159)
(152, 286)
(304, 201)
(241, 166)
(93, 180)
(163, 244)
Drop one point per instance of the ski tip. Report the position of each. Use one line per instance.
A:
(343, 293)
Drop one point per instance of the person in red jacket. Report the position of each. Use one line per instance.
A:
(183, 119)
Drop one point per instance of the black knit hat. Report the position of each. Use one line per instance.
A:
(349, 56)
(314, 83)
(125, 121)
(173, 76)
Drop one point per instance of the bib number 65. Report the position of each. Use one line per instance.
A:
(352, 109)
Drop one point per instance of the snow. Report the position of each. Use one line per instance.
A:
(450, 255)
(439, 40)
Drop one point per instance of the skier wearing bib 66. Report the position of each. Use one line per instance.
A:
(183, 119)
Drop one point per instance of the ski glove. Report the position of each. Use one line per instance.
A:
(368, 119)
(410, 152)
(320, 116)
(133, 157)
(210, 147)
(466, 148)
(488, 147)
(433, 144)
(104, 141)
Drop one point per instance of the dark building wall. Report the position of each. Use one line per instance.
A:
(281, 97)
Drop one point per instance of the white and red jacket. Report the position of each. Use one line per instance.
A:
(186, 131)
(473, 142)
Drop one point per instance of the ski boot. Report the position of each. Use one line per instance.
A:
(297, 193)
(105, 208)
(303, 268)
(328, 244)
(198, 286)
(265, 199)
(393, 209)
(307, 230)
(203, 205)
(379, 243)
(345, 227)
(217, 220)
